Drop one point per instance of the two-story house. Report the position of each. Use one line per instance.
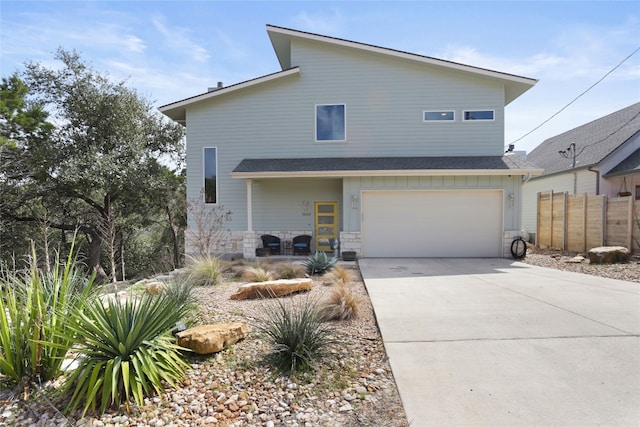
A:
(393, 153)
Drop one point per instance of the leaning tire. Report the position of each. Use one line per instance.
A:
(518, 248)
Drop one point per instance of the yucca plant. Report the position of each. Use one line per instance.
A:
(34, 308)
(204, 270)
(319, 263)
(297, 335)
(125, 349)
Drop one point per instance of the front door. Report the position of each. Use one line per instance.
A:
(326, 224)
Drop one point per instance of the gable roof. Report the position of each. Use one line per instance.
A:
(281, 40)
(594, 141)
(630, 164)
(383, 166)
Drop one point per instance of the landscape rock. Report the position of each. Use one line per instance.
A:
(575, 260)
(272, 288)
(206, 339)
(609, 255)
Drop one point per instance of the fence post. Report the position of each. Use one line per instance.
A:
(605, 206)
(564, 220)
(551, 220)
(630, 223)
(584, 222)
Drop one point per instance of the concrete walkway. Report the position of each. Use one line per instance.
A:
(493, 342)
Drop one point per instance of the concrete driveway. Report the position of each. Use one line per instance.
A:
(493, 342)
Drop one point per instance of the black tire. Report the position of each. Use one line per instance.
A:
(518, 248)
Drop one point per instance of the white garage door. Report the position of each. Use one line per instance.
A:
(451, 223)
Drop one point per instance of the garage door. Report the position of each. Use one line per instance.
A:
(452, 223)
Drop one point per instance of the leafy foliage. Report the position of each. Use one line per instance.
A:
(297, 335)
(34, 309)
(319, 263)
(98, 169)
(125, 349)
(204, 270)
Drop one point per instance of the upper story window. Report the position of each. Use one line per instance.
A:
(331, 122)
(438, 116)
(481, 115)
(210, 175)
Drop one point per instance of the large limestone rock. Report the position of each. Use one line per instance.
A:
(206, 339)
(609, 255)
(272, 288)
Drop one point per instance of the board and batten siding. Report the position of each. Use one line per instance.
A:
(355, 186)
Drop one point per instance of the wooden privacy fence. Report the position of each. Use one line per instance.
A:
(578, 222)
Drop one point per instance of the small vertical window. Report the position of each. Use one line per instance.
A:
(438, 116)
(637, 192)
(479, 115)
(331, 122)
(211, 175)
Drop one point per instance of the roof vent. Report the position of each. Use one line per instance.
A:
(213, 89)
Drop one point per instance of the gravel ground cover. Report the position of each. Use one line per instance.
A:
(558, 260)
(237, 387)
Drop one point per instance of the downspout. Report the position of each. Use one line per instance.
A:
(597, 179)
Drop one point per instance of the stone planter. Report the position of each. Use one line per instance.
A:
(348, 256)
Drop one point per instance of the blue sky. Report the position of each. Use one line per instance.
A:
(171, 50)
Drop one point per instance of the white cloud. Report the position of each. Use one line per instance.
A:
(331, 22)
(179, 40)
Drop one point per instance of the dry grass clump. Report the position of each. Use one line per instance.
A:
(340, 304)
(257, 274)
(287, 270)
(339, 275)
(204, 270)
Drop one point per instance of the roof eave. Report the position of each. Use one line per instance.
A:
(516, 85)
(399, 172)
(177, 110)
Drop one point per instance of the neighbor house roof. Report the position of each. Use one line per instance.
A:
(630, 164)
(594, 141)
(384, 166)
(281, 40)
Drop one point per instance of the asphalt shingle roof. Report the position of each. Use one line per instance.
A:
(631, 163)
(594, 141)
(337, 164)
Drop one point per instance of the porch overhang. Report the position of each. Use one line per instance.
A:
(383, 166)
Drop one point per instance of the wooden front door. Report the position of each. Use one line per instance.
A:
(326, 224)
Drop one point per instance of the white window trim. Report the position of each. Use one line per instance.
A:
(464, 113)
(204, 177)
(424, 120)
(315, 123)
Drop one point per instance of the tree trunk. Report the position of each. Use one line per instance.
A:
(95, 250)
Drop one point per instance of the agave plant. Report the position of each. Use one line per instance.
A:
(319, 263)
(125, 349)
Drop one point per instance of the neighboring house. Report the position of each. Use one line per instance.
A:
(395, 154)
(607, 161)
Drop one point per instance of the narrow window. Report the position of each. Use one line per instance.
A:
(482, 115)
(330, 122)
(439, 116)
(210, 175)
(637, 192)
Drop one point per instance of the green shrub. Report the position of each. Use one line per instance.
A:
(204, 270)
(340, 304)
(34, 308)
(296, 333)
(125, 348)
(319, 263)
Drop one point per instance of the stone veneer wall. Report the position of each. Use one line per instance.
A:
(508, 238)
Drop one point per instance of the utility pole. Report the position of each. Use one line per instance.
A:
(571, 153)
